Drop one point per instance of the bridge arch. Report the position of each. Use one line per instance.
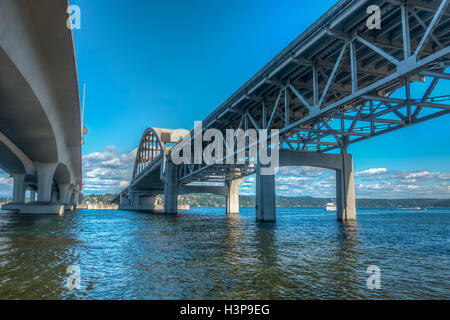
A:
(154, 143)
(150, 147)
(62, 174)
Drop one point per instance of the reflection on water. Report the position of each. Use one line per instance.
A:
(203, 254)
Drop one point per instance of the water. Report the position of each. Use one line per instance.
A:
(202, 254)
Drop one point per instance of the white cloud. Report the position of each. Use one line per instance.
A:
(107, 171)
(370, 183)
(370, 172)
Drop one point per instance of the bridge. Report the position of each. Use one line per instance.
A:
(40, 131)
(338, 83)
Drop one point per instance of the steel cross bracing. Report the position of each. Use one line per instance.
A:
(341, 83)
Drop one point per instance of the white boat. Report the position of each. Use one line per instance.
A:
(330, 206)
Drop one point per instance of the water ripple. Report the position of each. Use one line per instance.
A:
(203, 254)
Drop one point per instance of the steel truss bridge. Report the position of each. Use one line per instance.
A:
(337, 84)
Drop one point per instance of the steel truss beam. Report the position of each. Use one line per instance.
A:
(334, 86)
(344, 107)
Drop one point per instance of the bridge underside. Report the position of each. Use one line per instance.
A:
(40, 132)
(337, 84)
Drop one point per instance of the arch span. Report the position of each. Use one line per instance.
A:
(155, 143)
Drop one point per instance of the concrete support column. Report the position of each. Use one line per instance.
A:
(345, 190)
(54, 196)
(170, 188)
(76, 198)
(32, 195)
(19, 188)
(148, 203)
(265, 197)
(124, 202)
(134, 199)
(64, 193)
(233, 196)
(70, 199)
(45, 172)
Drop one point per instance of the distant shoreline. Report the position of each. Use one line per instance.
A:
(307, 202)
(405, 208)
(210, 200)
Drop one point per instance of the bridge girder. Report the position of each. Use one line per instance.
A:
(334, 87)
(335, 84)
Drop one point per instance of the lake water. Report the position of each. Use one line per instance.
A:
(202, 254)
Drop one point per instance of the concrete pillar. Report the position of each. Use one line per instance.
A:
(45, 172)
(64, 193)
(76, 198)
(70, 196)
(32, 195)
(125, 202)
(170, 188)
(233, 196)
(19, 188)
(148, 203)
(345, 190)
(265, 197)
(134, 199)
(55, 196)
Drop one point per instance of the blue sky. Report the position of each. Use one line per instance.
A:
(170, 63)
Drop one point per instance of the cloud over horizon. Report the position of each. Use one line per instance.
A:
(107, 171)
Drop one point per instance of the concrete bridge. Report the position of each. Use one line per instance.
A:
(40, 131)
(337, 84)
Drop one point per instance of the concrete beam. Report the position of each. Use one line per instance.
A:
(218, 190)
(290, 158)
(24, 159)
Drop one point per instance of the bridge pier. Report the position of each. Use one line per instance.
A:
(170, 188)
(265, 197)
(148, 203)
(19, 188)
(124, 202)
(64, 194)
(134, 200)
(32, 195)
(45, 172)
(233, 196)
(345, 190)
(342, 164)
(76, 198)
